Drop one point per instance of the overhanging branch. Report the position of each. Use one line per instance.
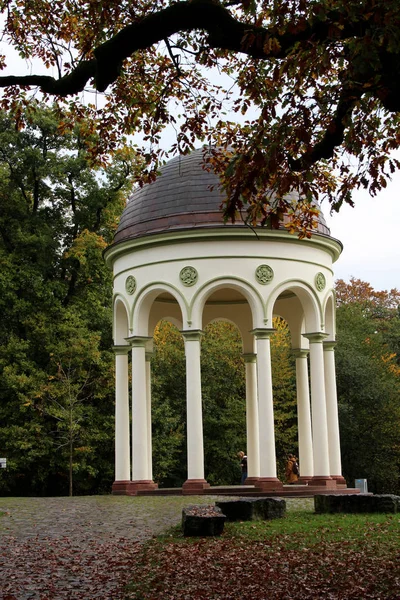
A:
(225, 32)
(334, 135)
(73, 83)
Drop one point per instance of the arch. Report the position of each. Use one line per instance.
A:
(330, 315)
(309, 301)
(220, 319)
(291, 310)
(254, 299)
(121, 325)
(140, 315)
(154, 320)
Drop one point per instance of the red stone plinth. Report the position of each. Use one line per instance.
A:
(194, 486)
(139, 485)
(269, 484)
(120, 488)
(252, 481)
(340, 480)
(304, 480)
(323, 481)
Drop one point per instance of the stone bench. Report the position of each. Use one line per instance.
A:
(250, 509)
(202, 520)
(357, 503)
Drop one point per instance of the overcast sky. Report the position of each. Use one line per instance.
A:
(370, 235)
(369, 232)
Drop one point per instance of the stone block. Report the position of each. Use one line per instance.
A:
(249, 509)
(202, 520)
(357, 503)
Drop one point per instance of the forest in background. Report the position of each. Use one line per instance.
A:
(58, 211)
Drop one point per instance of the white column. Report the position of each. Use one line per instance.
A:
(140, 462)
(332, 410)
(318, 406)
(252, 427)
(304, 414)
(122, 462)
(148, 410)
(268, 477)
(195, 450)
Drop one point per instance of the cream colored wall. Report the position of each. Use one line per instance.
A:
(220, 264)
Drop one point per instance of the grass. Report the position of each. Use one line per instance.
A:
(303, 555)
(307, 529)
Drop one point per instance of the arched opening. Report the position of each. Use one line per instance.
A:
(224, 401)
(168, 392)
(283, 369)
(292, 406)
(330, 320)
(122, 412)
(298, 304)
(156, 302)
(165, 307)
(228, 310)
(120, 322)
(222, 388)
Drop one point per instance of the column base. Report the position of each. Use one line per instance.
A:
(323, 481)
(304, 479)
(269, 484)
(252, 481)
(340, 481)
(120, 488)
(194, 486)
(139, 485)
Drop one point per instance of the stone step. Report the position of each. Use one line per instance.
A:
(288, 491)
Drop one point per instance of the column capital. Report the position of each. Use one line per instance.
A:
(138, 341)
(329, 345)
(121, 349)
(250, 357)
(300, 352)
(316, 337)
(263, 333)
(149, 355)
(192, 335)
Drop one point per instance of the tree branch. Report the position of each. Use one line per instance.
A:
(173, 57)
(334, 134)
(225, 32)
(70, 84)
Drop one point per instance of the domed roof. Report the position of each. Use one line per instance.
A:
(179, 199)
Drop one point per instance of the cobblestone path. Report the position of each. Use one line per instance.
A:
(78, 548)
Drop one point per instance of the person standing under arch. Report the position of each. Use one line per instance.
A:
(243, 465)
(292, 469)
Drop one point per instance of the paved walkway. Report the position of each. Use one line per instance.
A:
(78, 548)
(92, 517)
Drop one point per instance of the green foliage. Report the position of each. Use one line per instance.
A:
(224, 404)
(57, 214)
(168, 406)
(284, 390)
(368, 381)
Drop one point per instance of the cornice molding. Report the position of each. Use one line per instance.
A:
(327, 243)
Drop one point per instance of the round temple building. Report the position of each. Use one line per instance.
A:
(174, 259)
